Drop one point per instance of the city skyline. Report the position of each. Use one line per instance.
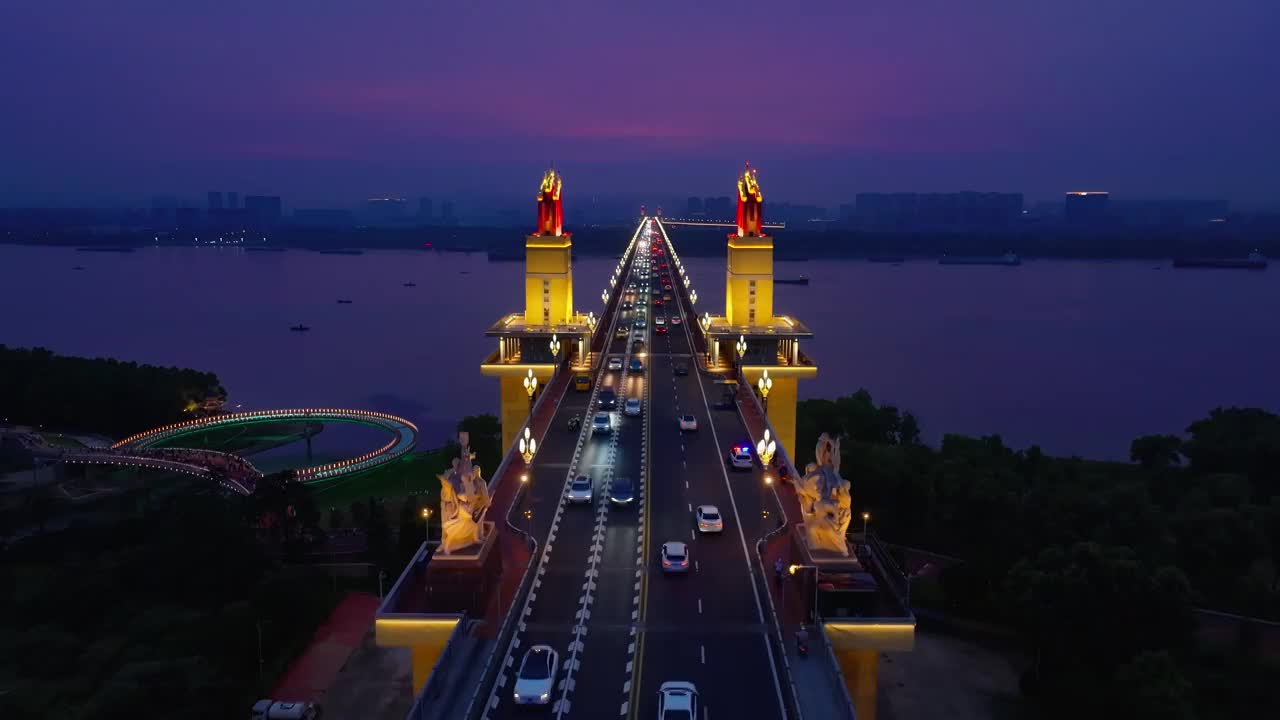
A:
(836, 101)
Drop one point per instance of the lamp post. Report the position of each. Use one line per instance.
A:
(866, 518)
(426, 522)
(765, 383)
(555, 350)
(604, 297)
(531, 387)
(693, 297)
(528, 447)
(814, 568)
(742, 351)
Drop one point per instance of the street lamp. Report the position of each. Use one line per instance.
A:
(604, 296)
(531, 387)
(555, 349)
(426, 521)
(693, 297)
(765, 383)
(742, 351)
(866, 518)
(766, 448)
(528, 446)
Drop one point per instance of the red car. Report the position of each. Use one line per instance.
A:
(657, 302)
(661, 330)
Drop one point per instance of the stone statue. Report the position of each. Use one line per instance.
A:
(825, 500)
(464, 497)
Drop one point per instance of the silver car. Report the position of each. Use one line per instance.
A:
(581, 490)
(677, 701)
(600, 424)
(537, 676)
(675, 557)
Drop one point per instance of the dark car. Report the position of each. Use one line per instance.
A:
(622, 492)
(636, 366)
(680, 369)
(608, 400)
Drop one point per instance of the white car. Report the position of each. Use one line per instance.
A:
(709, 519)
(615, 363)
(740, 457)
(675, 319)
(632, 407)
(675, 557)
(581, 490)
(688, 423)
(537, 676)
(678, 701)
(660, 321)
(601, 424)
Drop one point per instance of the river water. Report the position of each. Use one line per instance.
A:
(1078, 357)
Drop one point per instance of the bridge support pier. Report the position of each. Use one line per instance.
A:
(857, 645)
(425, 636)
(782, 402)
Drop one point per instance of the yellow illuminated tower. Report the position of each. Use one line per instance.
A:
(548, 332)
(750, 335)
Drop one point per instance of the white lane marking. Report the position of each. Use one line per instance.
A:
(699, 606)
(703, 649)
(691, 535)
(696, 566)
(691, 504)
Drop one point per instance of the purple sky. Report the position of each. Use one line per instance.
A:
(327, 101)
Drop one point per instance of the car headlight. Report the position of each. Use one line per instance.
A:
(545, 696)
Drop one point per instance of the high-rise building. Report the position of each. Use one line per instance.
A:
(446, 213)
(718, 208)
(1085, 207)
(233, 200)
(263, 210)
(215, 200)
(937, 211)
(425, 212)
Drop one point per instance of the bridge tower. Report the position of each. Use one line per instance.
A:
(525, 339)
(771, 342)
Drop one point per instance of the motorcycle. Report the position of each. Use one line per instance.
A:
(802, 643)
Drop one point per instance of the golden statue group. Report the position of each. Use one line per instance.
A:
(825, 501)
(464, 497)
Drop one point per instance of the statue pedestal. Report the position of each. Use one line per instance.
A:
(463, 581)
(846, 587)
(825, 559)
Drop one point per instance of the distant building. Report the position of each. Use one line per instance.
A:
(1086, 207)
(215, 201)
(446, 213)
(958, 211)
(1171, 213)
(322, 218)
(694, 207)
(233, 201)
(426, 213)
(384, 210)
(721, 208)
(263, 210)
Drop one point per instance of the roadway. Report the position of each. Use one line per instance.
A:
(582, 601)
(708, 627)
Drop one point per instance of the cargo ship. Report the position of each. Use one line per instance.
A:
(1255, 261)
(1005, 259)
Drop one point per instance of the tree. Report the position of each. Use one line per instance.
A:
(1151, 687)
(1156, 452)
(1238, 440)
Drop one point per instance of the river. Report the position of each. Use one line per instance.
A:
(1078, 357)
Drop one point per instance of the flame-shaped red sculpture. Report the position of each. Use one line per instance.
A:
(750, 205)
(550, 211)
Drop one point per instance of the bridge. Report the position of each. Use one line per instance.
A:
(140, 450)
(589, 580)
(705, 222)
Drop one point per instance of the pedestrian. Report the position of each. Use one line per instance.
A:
(777, 570)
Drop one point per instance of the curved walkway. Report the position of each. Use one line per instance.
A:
(404, 437)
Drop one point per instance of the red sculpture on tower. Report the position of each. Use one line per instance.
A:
(750, 205)
(550, 212)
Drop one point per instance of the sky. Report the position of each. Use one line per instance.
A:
(328, 101)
